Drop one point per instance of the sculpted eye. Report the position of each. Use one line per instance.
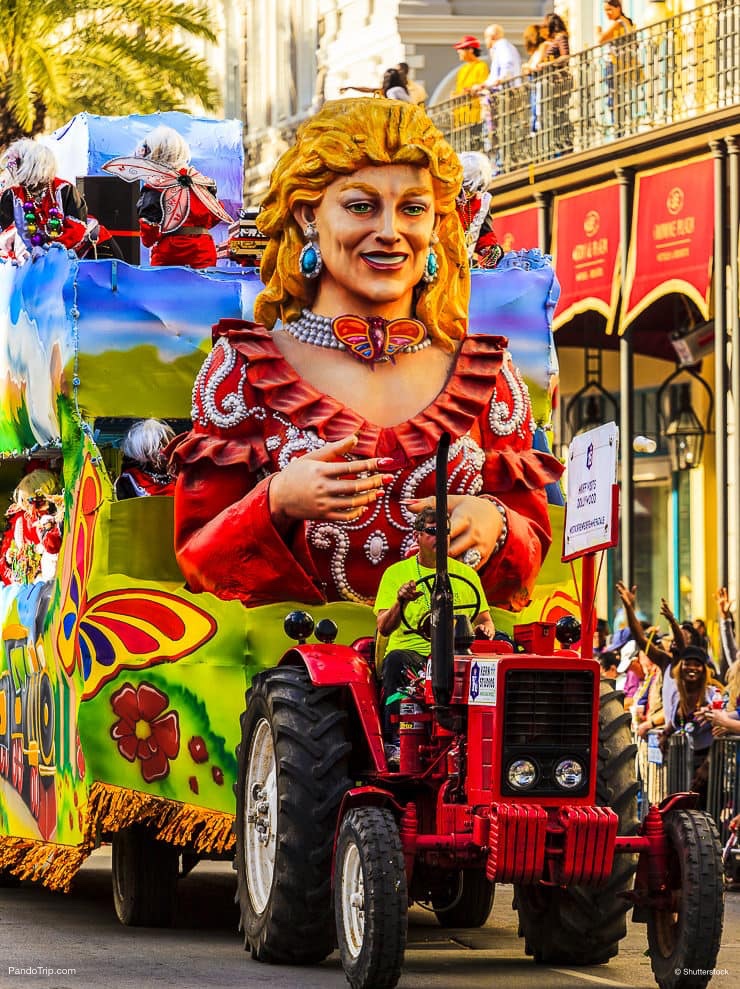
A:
(360, 208)
(414, 209)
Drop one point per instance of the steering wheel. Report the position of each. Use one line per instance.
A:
(422, 626)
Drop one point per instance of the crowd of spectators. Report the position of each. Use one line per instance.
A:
(673, 684)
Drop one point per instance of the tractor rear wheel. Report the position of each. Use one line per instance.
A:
(686, 937)
(292, 775)
(370, 898)
(145, 874)
(582, 925)
(468, 901)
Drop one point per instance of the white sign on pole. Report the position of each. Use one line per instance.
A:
(592, 474)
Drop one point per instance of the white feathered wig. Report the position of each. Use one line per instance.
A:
(29, 163)
(165, 145)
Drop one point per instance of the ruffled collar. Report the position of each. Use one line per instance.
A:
(455, 409)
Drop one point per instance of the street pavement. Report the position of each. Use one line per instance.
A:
(79, 934)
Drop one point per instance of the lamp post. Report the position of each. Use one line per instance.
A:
(683, 430)
(684, 433)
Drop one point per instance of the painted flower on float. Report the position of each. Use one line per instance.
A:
(143, 731)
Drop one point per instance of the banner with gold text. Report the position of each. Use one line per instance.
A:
(585, 248)
(672, 241)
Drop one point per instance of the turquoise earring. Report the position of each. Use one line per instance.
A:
(431, 267)
(310, 261)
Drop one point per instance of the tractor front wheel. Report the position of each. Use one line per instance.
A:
(292, 775)
(684, 938)
(370, 898)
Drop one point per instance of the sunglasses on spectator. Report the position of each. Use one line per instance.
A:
(431, 530)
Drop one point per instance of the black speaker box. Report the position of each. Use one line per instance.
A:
(113, 203)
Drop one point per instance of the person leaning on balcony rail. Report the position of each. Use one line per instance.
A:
(559, 83)
(623, 69)
(534, 46)
(471, 73)
(506, 62)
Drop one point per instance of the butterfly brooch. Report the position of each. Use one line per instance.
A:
(376, 339)
(176, 186)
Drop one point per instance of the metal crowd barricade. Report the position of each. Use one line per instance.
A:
(723, 794)
(661, 774)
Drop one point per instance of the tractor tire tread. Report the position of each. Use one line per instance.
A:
(311, 753)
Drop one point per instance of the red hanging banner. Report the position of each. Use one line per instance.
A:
(585, 249)
(517, 229)
(672, 242)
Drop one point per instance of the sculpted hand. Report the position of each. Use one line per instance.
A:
(320, 485)
(475, 524)
(628, 596)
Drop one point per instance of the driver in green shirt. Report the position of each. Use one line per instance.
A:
(407, 650)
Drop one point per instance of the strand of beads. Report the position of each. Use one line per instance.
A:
(41, 229)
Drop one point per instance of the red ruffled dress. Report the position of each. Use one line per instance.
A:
(252, 413)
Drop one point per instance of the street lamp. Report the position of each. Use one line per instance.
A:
(684, 433)
(683, 430)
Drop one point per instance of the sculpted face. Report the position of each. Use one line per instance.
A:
(374, 229)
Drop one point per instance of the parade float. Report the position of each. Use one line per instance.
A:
(121, 692)
(123, 715)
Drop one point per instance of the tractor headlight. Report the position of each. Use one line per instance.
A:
(569, 774)
(522, 774)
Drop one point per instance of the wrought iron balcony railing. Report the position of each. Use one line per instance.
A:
(667, 73)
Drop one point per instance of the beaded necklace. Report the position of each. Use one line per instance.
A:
(41, 226)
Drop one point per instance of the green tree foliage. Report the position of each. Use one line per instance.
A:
(60, 57)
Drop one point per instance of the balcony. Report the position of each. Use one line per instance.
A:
(667, 74)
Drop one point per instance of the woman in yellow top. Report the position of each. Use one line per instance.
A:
(472, 72)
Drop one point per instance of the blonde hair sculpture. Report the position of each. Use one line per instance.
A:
(344, 136)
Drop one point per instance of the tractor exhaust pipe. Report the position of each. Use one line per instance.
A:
(442, 602)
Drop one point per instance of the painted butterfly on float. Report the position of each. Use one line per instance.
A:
(176, 185)
(376, 339)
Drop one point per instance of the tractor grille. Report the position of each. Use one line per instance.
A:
(548, 707)
(548, 717)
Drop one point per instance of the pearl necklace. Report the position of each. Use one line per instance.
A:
(317, 330)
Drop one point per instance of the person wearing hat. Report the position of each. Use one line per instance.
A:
(472, 72)
(408, 651)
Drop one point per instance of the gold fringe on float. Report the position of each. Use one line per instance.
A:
(53, 865)
(113, 808)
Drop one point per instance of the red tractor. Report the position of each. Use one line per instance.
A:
(514, 768)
